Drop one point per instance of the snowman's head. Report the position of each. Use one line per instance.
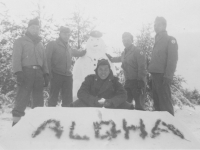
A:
(95, 45)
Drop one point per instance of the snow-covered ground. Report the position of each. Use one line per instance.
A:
(188, 117)
(5, 122)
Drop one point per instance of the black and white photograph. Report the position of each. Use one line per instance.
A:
(99, 74)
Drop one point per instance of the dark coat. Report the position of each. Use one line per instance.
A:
(59, 57)
(164, 55)
(133, 63)
(94, 88)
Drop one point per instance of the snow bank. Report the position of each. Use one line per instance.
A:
(85, 122)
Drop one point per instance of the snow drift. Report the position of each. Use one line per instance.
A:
(97, 128)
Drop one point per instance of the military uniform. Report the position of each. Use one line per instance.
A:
(163, 65)
(29, 59)
(134, 67)
(93, 89)
(59, 58)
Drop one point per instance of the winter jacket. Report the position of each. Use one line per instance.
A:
(164, 56)
(133, 63)
(26, 53)
(93, 89)
(59, 57)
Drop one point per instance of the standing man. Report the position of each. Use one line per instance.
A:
(59, 58)
(134, 66)
(162, 66)
(30, 67)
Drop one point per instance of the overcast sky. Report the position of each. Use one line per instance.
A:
(116, 16)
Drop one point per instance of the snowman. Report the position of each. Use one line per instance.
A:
(84, 66)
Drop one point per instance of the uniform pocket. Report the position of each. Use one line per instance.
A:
(26, 51)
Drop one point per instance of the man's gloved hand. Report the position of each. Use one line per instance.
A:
(46, 79)
(140, 84)
(83, 52)
(109, 56)
(97, 104)
(20, 77)
(107, 103)
(166, 81)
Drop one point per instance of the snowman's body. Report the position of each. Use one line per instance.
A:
(84, 66)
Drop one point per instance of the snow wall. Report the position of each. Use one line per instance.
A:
(97, 128)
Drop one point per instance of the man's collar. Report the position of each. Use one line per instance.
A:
(161, 33)
(59, 41)
(27, 38)
(129, 48)
(32, 38)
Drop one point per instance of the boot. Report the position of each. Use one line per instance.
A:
(15, 120)
(14, 123)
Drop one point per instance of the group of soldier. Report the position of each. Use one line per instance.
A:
(36, 66)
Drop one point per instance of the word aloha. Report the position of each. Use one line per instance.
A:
(112, 133)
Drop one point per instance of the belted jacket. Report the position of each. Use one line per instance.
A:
(28, 53)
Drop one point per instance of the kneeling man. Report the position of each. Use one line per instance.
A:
(102, 90)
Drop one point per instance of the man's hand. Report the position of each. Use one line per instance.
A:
(97, 104)
(140, 84)
(20, 77)
(101, 101)
(83, 52)
(109, 56)
(107, 103)
(166, 81)
(46, 79)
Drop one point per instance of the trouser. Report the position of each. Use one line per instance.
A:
(161, 94)
(60, 84)
(80, 103)
(133, 93)
(33, 84)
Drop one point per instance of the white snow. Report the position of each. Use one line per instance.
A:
(19, 137)
(190, 118)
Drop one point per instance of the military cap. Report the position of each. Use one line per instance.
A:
(127, 34)
(65, 29)
(96, 34)
(102, 62)
(34, 22)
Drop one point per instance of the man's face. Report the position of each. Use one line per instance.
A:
(103, 71)
(158, 26)
(34, 29)
(127, 41)
(65, 36)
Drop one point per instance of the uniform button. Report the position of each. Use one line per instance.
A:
(94, 64)
(94, 59)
